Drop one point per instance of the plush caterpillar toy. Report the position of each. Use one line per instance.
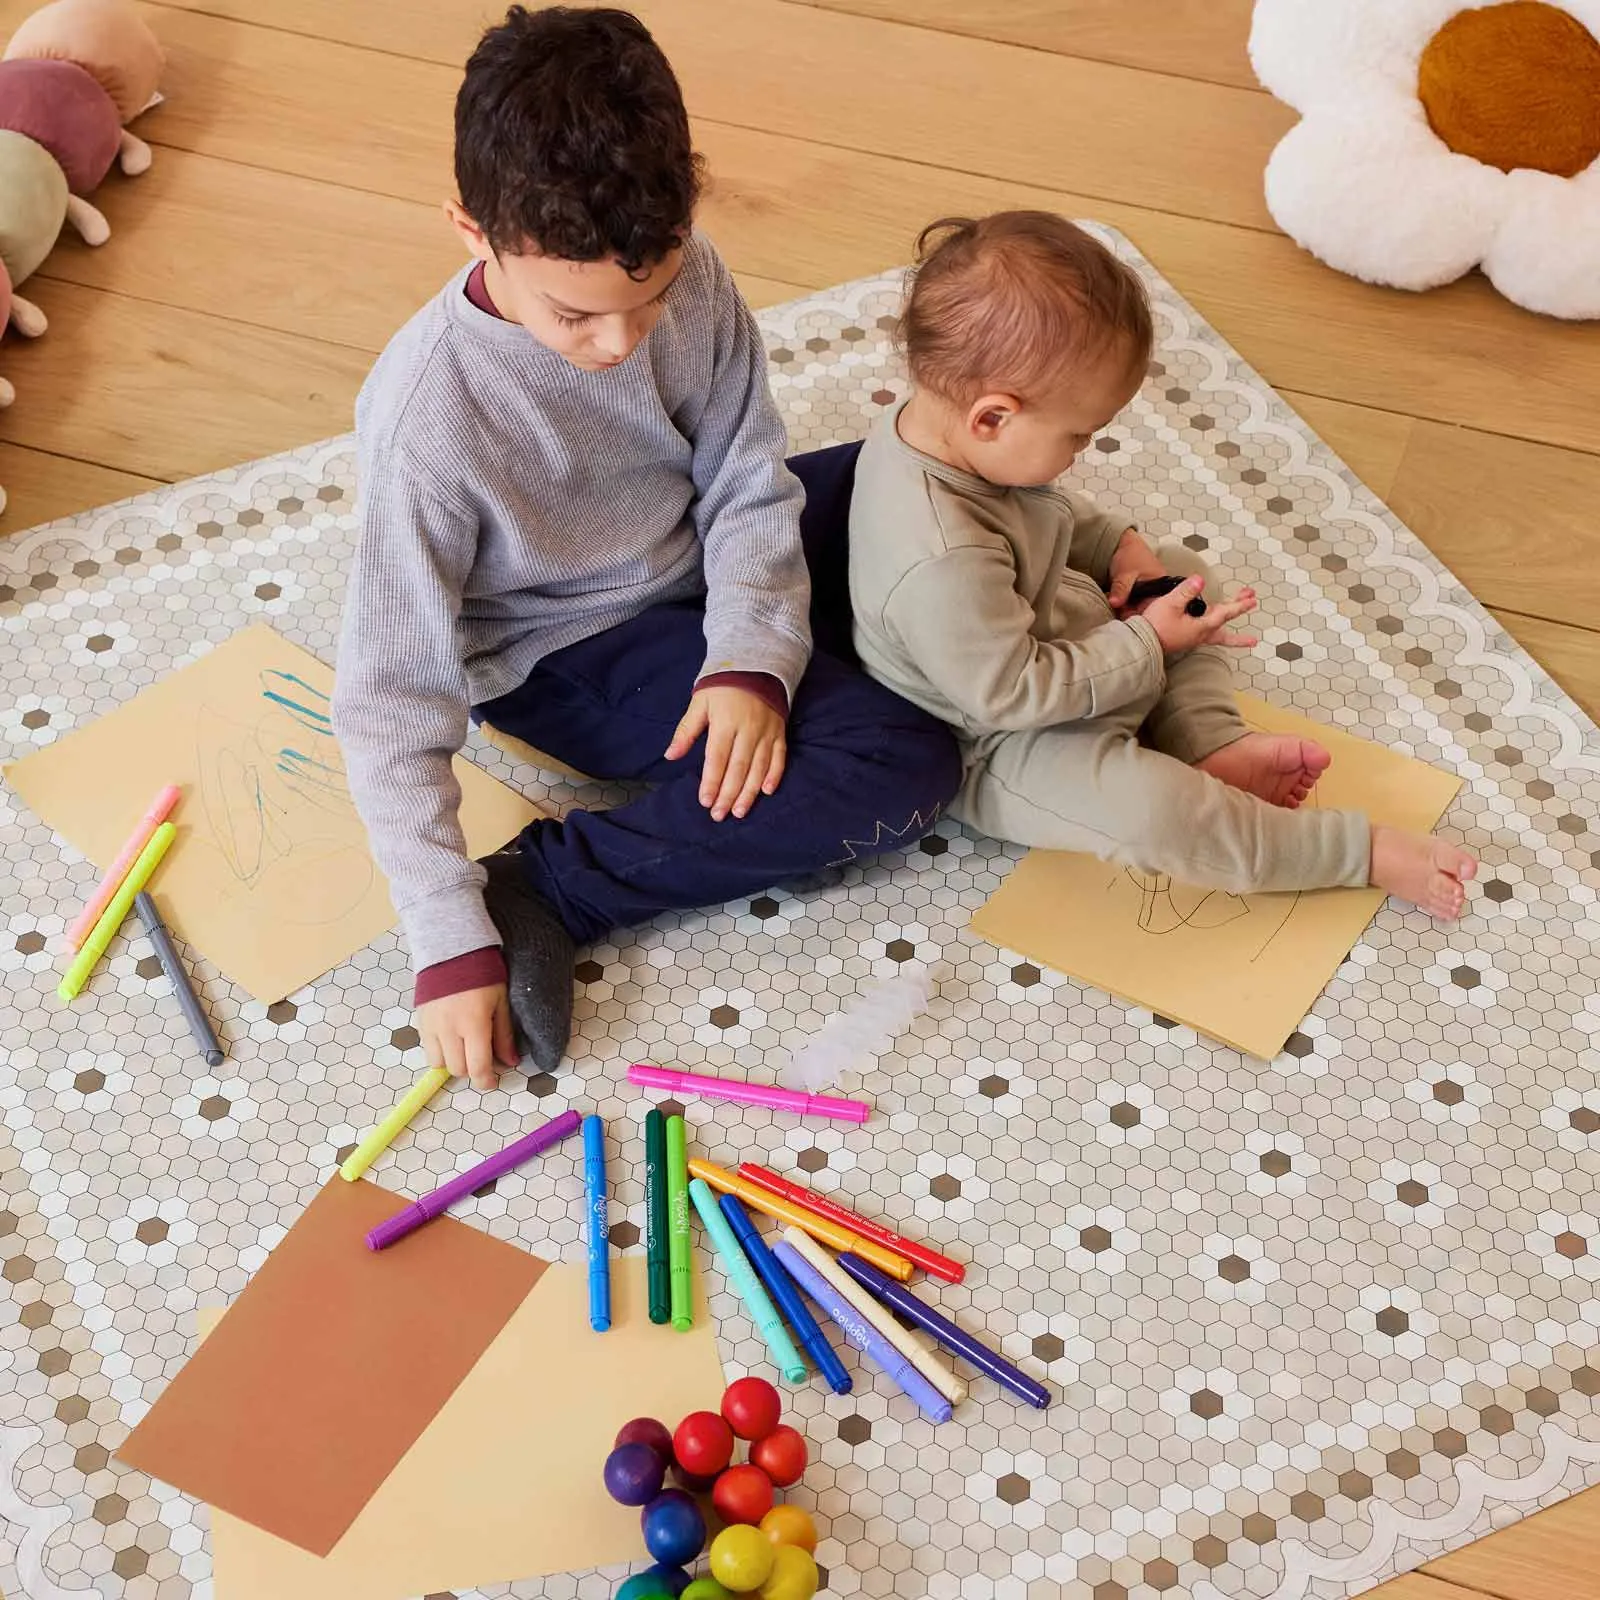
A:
(73, 75)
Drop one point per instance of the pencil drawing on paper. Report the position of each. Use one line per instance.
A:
(1162, 907)
(276, 803)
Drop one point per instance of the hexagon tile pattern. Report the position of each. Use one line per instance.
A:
(1308, 1322)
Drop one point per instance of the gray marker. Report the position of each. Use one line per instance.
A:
(199, 1024)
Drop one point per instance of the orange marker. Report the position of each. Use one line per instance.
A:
(820, 1228)
(919, 1255)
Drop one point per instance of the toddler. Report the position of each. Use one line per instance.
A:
(994, 599)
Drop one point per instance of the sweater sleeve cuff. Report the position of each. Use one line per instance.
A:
(473, 969)
(763, 685)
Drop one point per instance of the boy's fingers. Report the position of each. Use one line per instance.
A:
(455, 1059)
(505, 1039)
(1120, 590)
(480, 1054)
(689, 729)
(776, 764)
(719, 744)
(733, 778)
(752, 784)
(431, 1051)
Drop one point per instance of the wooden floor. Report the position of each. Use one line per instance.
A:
(291, 222)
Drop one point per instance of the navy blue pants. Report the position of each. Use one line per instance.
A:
(867, 772)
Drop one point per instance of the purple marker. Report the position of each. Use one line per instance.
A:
(920, 1314)
(446, 1195)
(862, 1334)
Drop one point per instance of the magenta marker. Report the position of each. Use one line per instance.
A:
(446, 1195)
(749, 1094)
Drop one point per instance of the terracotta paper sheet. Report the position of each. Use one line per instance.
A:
(270, 876)
(505, 1481)
(329, 1366)
(1244, 969)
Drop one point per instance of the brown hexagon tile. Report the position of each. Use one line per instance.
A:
(152, 1230)
(1496, 1420)
(1402, 1464)
(1584, 1120)
(1160, 1575)
(1210, 1551)
(71, 1408)
(18, 1269)
(215, 1107)
(1572, 1245)
(36, 1314)
(812, 1159)
(992, 1087)
(1233, 1269)
(1206, 1403)
(1355, 1485)
(1308, 1507)
(623, 1235)
(944, 1187)
(109, 1509)
(405, 1038)
(1047, 1347)
(588, 972)
(282, 1011)
(1275, 1163)
(130, 1562)
(855, 1429)
(1013, 1488)
(53, 1362)
(1259, 1528)
(1450, 1443)
(1411, 1193)
(1124, 1114)
(1392, 1321)
(724, 1017)
(1542, 1402)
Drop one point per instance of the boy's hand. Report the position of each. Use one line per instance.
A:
(745, 748)
(1180, 633)
(469, 1032)
(1131, 563)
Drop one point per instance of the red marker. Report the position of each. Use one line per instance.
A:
(919, 1255)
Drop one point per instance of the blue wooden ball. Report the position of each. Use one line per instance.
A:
(674, 1529)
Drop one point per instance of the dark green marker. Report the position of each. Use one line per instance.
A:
(655, 1216)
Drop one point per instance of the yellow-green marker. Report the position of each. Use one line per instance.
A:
(678, 1251)
(381, 1137)
(112, 917)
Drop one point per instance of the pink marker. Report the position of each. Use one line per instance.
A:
(118, 870)
(749, 1094)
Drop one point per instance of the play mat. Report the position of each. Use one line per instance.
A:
(1308, 1323)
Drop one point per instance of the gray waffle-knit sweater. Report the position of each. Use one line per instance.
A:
(511, 505)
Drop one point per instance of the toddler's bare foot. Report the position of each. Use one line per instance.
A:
(1428, 872)
(1275, 767)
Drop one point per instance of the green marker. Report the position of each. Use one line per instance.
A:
(678, 1224)
(658, 1274)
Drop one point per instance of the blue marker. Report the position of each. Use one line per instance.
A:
(594, 1182)
(782, 1289)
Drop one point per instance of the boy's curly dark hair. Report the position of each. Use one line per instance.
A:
(572, 140)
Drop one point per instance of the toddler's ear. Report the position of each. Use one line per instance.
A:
(471, 235)
(988, 415)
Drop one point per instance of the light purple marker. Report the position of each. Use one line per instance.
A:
(446, 1195)
(862, 1334)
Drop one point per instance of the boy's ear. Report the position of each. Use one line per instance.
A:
(988, 415)
(472, 236)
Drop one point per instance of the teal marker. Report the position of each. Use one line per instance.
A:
(678, 1251)
(743, 1277)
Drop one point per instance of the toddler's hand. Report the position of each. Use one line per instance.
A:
(745, 748)
(1131, 563)
(1180, 633)
(468, 1033)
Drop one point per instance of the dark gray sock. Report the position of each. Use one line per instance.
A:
(539, 959)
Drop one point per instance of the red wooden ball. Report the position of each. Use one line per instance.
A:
(703, 1444)
(742, 1494)
(781, 1455)
(752, 1407)
(646, 1430)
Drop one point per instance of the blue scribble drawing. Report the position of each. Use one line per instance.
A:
(277, 802)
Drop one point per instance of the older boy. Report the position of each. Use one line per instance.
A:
(578, 526)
